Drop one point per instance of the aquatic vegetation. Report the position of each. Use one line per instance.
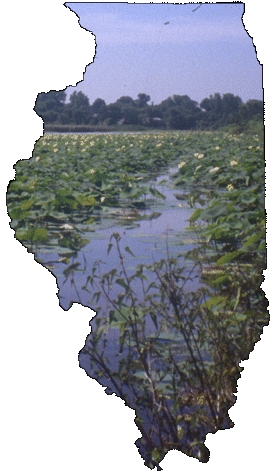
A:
(74, 178)
(171, 352)
(178, 356)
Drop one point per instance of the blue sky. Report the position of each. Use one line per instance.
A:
(197, 53)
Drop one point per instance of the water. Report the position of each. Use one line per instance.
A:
(149, 241)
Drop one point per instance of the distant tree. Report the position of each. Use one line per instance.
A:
(125, 100)
(98, 111)
(213, 112)
(253, 109)
(130, 114)
(78, 109)
(66, 116)
(97, 105)
(79, 99)
(166, 103)
(230, 104)
(179, 112)
(49, 105)
(142, 100)
(177, 118)
(212, 104)
(113, 114)
(129, 110)
(148, 116)
(176, 112)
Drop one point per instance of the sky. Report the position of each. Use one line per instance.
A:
(166, 49)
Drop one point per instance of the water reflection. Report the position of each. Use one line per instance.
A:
(149, 239)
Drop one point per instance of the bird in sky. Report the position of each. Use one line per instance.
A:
(196, 8)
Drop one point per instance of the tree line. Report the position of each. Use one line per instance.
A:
(177, 112)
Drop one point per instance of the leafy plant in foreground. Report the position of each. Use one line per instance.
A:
(175, 354)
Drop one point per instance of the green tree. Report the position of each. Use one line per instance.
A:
(179, 112)
(113, 114)
(142, 100)
(220, 110)
(252, 110)
(49, 105)
(78, 109)
(125, 100)
(129, 110)
(98, 111)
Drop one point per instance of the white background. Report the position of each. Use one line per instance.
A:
(55, 420)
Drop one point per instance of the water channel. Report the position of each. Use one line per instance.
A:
(160, 228)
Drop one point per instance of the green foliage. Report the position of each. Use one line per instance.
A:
(180, 371)
(33, 235)
(175, 112)
(172, 354)
(179, 352)
(72, 180)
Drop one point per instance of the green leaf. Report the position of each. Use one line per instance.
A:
(157, 193)
(195, 215)
(127, 249)
(33, 235)
(154, 320)
(228, 257)
(85, 200)
(27, 204)
(71, 269)
(119, 317)
(214, 301)
(122, 282)
(240, 317)
(214, 212)
(110, 245)
(253, 239)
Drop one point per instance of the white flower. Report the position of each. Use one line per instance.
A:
(233, 163)
(181, 165)
(55, 150)
(230, 187)
(102, 199)
(198, 168)
(213, 170)
(200, 155)
(217, 147)
(92, 171)
(67, 227)
(37, 158)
